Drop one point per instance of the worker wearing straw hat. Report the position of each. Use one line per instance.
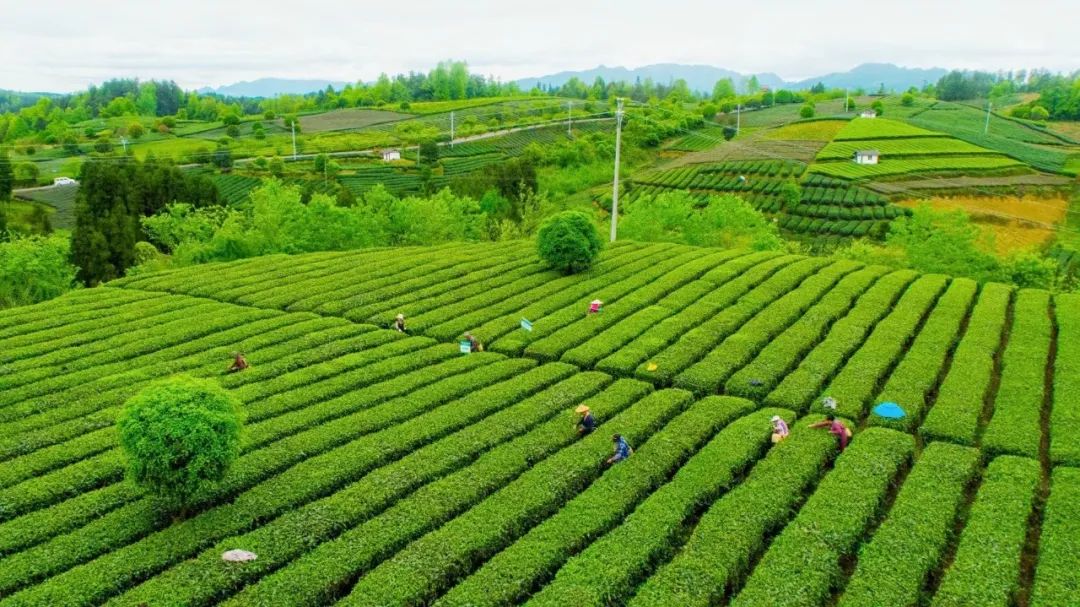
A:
(586, 424)
(780, 429)
(399, 324)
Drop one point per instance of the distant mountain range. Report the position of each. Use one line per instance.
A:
(870, 76)
(272, 87)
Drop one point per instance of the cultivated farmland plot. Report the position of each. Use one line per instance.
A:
(378, 468)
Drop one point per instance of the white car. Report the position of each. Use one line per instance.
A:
(64, 181)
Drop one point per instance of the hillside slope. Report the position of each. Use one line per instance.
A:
(380, 468)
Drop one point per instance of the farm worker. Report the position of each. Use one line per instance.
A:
(836, 427)
(780, 429)
(474, 343)
(239, 363)
(622, 449)
(595, 306)
(399, 323)
(586, 424)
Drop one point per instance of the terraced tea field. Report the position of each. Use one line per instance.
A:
(387, 469)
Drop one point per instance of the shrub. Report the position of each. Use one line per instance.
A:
(569, 241)
(180, 434)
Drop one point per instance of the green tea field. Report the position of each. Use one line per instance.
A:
(378, 468)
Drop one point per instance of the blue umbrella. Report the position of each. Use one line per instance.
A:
(889, 410)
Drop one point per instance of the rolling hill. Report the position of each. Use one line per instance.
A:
(387, 469)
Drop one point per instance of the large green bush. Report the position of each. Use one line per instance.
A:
(569, 241)
(178, 435)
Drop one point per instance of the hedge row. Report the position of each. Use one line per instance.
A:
(355, 418)
(541, 296)
(773, 362)
(311, 296)
(269, 283)
(174, 328)
(551, 309)
(611, 339)
(709, 374)
(917, 374)
(57, 390)
(893, 567)
(98, 402)
(696, 342)
(433, 563)
(802, 566)
(86, 335)
(408, 282)
(70, 412)
(738, 526)
(986, 569)
(21, 323)
(959, 404)
(565, 327)
(608, 569)
(532, 430)
(118, 360)
(1016, 426)
(798, 388)
(97, 405)
(860, 378)
(313, 478)
(1065, 415)
(421, 300)
(751, 271)
(646, 290)
(1057, 574)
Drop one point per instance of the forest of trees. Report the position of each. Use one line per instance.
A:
(1059, 95)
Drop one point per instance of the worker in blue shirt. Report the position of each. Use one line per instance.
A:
(622, 449)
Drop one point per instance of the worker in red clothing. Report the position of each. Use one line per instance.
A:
(239, 363)
(835, 427)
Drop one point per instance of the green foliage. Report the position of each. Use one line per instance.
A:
(179, 435)
(1058, 572)
(34, 269)
(569, 241)
(724, 221)
(807, 111)
(878, 107)
(7, 178)
(986, 569)
(112, 197)
(944, 242)
(894, 565)
(830, 525)
(136, 130)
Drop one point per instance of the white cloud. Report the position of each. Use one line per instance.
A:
(66, 44)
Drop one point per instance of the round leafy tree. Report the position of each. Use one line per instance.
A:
(569, 241)
(178, 435)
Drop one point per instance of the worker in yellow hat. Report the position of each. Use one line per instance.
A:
(586, 424)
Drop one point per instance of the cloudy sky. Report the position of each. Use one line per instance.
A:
(65, 45)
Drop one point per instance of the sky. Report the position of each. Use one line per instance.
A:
(62, 46)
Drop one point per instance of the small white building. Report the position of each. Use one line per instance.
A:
(868, 114)
(867, 157)
(64, 181)
(388, 155)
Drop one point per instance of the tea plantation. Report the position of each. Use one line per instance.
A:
(386, 469)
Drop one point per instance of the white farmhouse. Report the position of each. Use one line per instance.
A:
(867, 157)
(388, 155)
(868, 114)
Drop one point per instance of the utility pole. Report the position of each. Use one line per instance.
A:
(738, 118)
(293, 123)
(986, 129)
(569, 117)
(123, 142)
(615, 188)
(451, 130)
(845, 101)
